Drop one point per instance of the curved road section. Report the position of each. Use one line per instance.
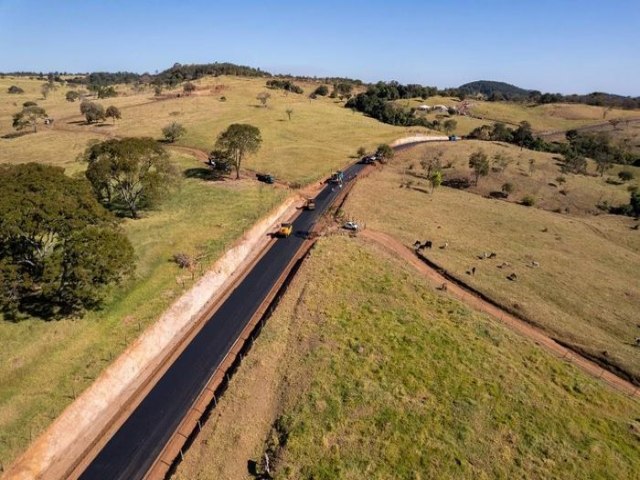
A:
(132, 450)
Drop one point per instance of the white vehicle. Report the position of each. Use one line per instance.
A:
(351, 226)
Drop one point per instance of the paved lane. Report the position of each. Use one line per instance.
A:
(132, 450)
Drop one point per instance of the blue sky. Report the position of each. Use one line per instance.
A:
(558, 46)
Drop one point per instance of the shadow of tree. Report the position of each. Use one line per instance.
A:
(203, 174)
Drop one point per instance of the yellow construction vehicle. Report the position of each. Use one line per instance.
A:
(285, 230)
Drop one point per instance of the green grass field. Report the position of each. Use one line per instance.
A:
(585, 291)
(377, 376)
(43, 365)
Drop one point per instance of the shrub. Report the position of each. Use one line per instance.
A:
(188, 88)
(72, 96)
(286, 85)
(14, 90)
(29, 104)
(322, 90)
(561, 179)
(173, 131)
(507, 188)
(183, 260)
(528, 201)
(625, 175)
(223, 99)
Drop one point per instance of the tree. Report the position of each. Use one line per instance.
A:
(93, 112)
(289, 112)
(106, 92)
(130, 173)
(634, 204)
(361, 152)
(450, 126)
(15, 90)
(72, 96)
(501, 161)
(188, 88)
(263, 97)
(431, 164)
(571, 135)
(173, 131)
(435, 179)
(29, 117)
(573, 162)
(523, 135)
(46, 89)
(237, 141)
(479, 162)
(113, 113)
(604, 161)
(60, 247)
(385, 152)
(157, 90)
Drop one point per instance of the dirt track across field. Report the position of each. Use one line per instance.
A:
(523, 328)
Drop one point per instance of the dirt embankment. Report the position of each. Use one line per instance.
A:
(458, 290)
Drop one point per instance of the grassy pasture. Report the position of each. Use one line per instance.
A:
(585, 291)
(578, 195)
(43, 365)
(373, 374)
(320, 137)
(556, 116)
(543, 118)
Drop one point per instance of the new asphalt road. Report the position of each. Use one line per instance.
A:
(135, 446)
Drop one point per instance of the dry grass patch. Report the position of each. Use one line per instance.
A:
(551, 189)
(585, 291)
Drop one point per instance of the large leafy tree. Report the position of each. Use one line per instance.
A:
(29, 117)
(130, 173)
(93, 112)
(237, 141)
(114, 113)
(59, 247)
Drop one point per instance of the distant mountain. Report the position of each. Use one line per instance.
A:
(489, 88)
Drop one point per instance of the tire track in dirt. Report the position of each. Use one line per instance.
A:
(521, 327)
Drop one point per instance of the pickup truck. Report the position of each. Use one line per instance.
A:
(310, 205)
(265, 177)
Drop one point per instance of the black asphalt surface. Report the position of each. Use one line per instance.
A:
(132, 450)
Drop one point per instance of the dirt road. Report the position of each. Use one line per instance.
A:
(538, 336)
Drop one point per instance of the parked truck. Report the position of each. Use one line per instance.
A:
(265, 177)
(310, 204)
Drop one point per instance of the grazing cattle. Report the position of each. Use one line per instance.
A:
(445, 245)
(512, 276)
(535, 264)
(473, 270)
(418, 245)
(493, 255)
